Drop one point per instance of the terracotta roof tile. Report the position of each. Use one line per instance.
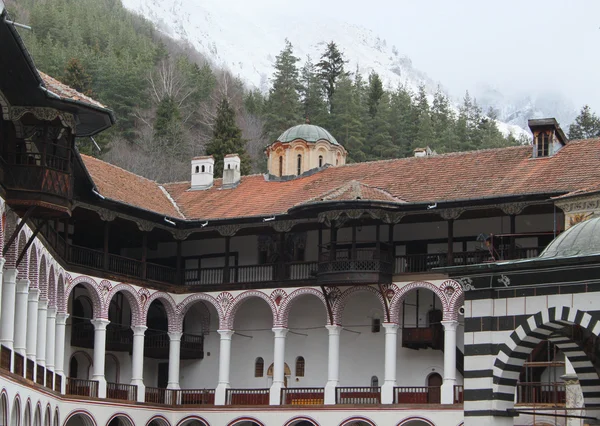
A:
(120, 185)
(456, 176)
(67, 92)
(355, 190)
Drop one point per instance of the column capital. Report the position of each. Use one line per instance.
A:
(334, 329)
(34, 292)
(10, 275)
(280, 331)
(570, 379)
(226, 334)
(22, 286)
(43, 304)
(52, 311)
(175, 336)
(100, 323)
(61, 318)
(450, 325)
(390, 327)
(2, 260)
(139, 330)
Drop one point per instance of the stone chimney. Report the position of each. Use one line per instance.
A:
(231, 171)
(203, 169)
(424, 152)
(548, 137)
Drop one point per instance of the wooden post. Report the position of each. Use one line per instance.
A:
(377, 242)
(417, 310)
(106, 234)
(226, 277)
(281, 248)
(66, 233)
(320, 240)
(450, 258)
(513, 231)
(332, 242)
(178, 273)
(144, 253)
(353, 242)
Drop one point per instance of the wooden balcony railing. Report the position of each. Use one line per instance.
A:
(82, 334)
(534, 393)
(121, 391)
(417, 395)
(358, 395)
(158, 396)
(5, 358)
(423, 337)
(19, 364)
(58, 382)
(247, 397)
(49, 379)
(40, 375)
(30, 369)
(119, 338)
(194, 397)
(82, 387)
(459, 394)
(302, 396)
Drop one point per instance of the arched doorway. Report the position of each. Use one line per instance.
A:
(15, 417)
(434, 385)
(3, 411)
(81, 312)
(37, 418)
(287, 373)
(80, 365)
(80, 419)
(156, 343)
(27, 415)
(120, 421)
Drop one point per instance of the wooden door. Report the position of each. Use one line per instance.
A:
(434, 381)
(163, 375)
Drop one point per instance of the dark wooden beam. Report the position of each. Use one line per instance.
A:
(144, 253)
(450, 258)
(106, 235)
(20, 226)
(226, 275)
(29, 242)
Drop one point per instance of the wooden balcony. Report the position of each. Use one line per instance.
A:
(302, 396)
(156, 345)
(347, 263)
(81, 387)
(423, 338)
(122, 391)
(536, 393)
(247, 397)
(358, 395)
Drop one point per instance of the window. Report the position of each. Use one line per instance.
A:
(374, 382)
(259, 367)
(337, 161)
(229, 166)
(300, 366)
(299, 164)
(543, 144)
(320, 161)
(202, 169)
(197, 169)
(375, 325)
(280, 166)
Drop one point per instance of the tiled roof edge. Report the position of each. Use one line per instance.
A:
(175, 206)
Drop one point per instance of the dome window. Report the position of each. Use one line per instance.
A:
(198, 169)
(299, 171)
(280, 166)
(203, 168)
(320, 161)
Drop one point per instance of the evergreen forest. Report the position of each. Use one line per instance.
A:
(171, 103)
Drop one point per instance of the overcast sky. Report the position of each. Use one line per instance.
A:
(513, 45)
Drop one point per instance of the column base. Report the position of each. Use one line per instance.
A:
(489, 421)
(447, 391)
(141, 389)
(63, 382)
(387, 392)
(101, 386)
(174, 386)
(221, 393)
(330, 388)
(275, 394)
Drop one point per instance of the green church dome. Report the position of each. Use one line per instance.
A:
(582, 239)
(307, 133)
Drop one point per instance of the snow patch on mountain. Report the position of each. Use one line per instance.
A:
(247, 43)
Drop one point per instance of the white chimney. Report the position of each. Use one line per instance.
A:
(231, 171)
(424, 152)
(203, 169)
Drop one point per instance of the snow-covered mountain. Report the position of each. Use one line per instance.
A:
(246, 42)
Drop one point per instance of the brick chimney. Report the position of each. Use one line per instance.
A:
(203, 169)
(231, 171)
(548, 137)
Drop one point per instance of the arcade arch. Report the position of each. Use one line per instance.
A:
(80, 418)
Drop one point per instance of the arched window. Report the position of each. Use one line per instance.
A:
(280, 166)
(337, 161)
(300, 366)
(299, 171)
(198, 169)
(259, 367)
(320, 161)
(374, 382)
(210, 169)
(203, 169)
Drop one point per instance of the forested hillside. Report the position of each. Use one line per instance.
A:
(167, 97)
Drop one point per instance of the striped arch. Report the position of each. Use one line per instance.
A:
(133, 298)
(170, 309)
(2, 221)
(183, 421)
(92, 287)
(162, 421)
(24, 265)
(416, 419)
(34, 268)
(518, 346)
(340, 304)
(4, 406)
(86, 417)
(291, 421)
(189, 301)
(60, 293)
(52, 288)
(125, 416)
(402, 292)
(350, 421)
(286, 305)
(245, 419)
(16, 409)
(10, 256)
(43, 278)
(237, 302)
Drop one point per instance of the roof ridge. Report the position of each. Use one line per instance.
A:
(119, 167)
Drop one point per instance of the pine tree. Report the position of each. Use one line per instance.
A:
(586, 125)
(227, 139)
(346, 122)
(403, 118)
(375, 93)
(311, 95)
(283, 108)
(76, 77)
(331, 67)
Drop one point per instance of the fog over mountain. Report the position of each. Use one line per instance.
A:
(246, 36)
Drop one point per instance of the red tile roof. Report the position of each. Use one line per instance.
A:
(354, 190)
(67, 92)
(457, 176)
(120, 185)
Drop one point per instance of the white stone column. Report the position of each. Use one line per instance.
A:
(174, 351)
(41, 333)
(391, 339)
(224, 366)
(9, 293)
(2, 261)
(278, 366)
(574, 401)
(333, 364)
(21, 316)
(137, 361)
(449, 361)
(32, 323)
(59, 349)
(50, 339)
(99, 354)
